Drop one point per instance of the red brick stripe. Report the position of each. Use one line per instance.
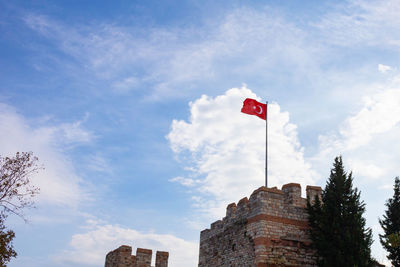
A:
(143, 250)
(270, 218)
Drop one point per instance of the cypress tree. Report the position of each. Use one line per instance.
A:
(337, 226)
(391, 226)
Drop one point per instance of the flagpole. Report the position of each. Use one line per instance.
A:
(266, 146)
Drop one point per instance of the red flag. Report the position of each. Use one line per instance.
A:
(253, 107)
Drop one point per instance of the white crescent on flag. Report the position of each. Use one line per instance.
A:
(261, 109)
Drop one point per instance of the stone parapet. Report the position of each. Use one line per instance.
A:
(268, 229)
(122, 257)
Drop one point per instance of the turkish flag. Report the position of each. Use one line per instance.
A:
(253, 107)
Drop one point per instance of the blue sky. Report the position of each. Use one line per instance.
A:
(133, 108)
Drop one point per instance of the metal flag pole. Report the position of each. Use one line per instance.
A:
(266, 146)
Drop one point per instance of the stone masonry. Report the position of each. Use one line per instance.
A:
(267, 230)
(122, 257)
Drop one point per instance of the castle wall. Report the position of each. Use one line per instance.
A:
(122, 257)
(227, 243)
(269, 229)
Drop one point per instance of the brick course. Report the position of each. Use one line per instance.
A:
(269, 229)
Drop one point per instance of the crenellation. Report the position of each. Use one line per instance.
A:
(312, 191)
(143, 257)
(242, 208)
(217, 225)
(162, 259)
(243, 202)
(231, 210)
(292, 194)
(122, 257)
(205, 234)
(268, 229)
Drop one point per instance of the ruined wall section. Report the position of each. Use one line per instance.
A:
(269, 229)
(122, 257)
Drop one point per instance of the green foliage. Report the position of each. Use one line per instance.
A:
(6, 247)
(394, 240)
(337, 226)
(390, 224)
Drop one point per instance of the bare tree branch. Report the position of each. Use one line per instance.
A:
(16, 189)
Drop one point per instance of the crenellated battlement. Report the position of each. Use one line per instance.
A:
(261, 229)
(122, 257)
(271, 201)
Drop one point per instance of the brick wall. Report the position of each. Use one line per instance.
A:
(122, 257)
(269, 229)
(162, 259)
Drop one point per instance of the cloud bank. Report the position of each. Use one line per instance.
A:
(91, 247)
(225, 150)
(58, 182)
(368, 138)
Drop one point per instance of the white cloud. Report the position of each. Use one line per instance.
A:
(171, 58)
(384, 68)
(260, 44)
(380, 114)
(366, 169)
(185, 181)
(226, 149)
(367, 139)
(58, 182)
(91, 247)
(98, 163)
(366, 23)
(126, 84)
(386, 186)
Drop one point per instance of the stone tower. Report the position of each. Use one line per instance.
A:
(122, 257)
(267, 230)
